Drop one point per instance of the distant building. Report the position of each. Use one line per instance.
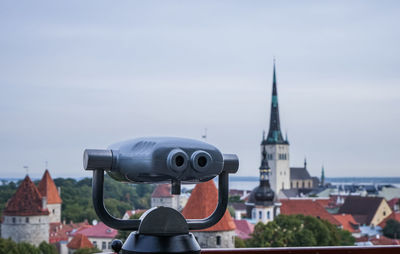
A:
(348, 223)
(99, 235)
(162, 196)
(282, 177)
(243, 229)
(26, 216)
(59, 234)
(262, 205)
(307, 206)
(201, 204)
(300, 178)
(393, 216)
(79, 242)
(130, 213)
(368, 211)
(240, 210)
(48, 189)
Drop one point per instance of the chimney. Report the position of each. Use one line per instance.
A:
(44, 203)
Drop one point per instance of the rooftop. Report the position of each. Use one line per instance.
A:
(308, 207)
(48, 189)
(206, 194)
(79, 242)
(26, 201)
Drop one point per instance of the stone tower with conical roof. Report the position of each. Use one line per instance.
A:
(48, 189)
(201, 204)
(276, 146)
(26, 217)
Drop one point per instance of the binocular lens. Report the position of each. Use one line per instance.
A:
(177, 160)
(200, 160)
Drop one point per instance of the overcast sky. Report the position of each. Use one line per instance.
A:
(86, 74)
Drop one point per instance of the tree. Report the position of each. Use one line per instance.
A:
(46, 248)
(392, 229)
(239, 243)
(298, 230)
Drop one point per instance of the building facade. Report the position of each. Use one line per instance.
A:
(48, 189)
(26, 217)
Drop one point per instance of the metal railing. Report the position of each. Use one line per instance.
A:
(383, 249)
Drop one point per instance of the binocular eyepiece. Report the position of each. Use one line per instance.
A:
(161, 159)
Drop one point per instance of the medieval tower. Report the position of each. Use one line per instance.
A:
(26, 217)
(48, 189)
(201, 204)
(277, 148)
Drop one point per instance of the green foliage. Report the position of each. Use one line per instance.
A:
(298, 230)
(6, 191)
(46, 248)
(118, 197)
(231, 211)
(87, 251)
(235, 199)
(11, 247)
(392, 229)
(239, 243)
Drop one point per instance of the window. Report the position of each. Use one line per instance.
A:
(384, 213)
(282, 156)
(54, 211)
(103, 245)
(218, 240)
(95, 244)
(13, 219)
(109, 245)
(260, 215)
(27, 219)
(268, 215)
(269, 157)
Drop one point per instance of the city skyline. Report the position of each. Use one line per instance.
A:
(116, 71)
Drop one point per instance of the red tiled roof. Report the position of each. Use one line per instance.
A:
(26, 201)
(48, 189)
(393, 216)
(202, 203)
(162, 191)
(324, 202)
(79, 242)
(380, 240)
(306, 207)
(348, 222)
(60, 232)
(100, 230)
(243, 229)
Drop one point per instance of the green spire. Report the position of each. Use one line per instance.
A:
(322, 176)
(274, 133)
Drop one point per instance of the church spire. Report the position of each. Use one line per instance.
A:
(265, 170)
(274, 133)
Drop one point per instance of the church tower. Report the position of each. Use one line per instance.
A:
(277, 148)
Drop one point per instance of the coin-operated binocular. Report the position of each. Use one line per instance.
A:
(160, 159)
